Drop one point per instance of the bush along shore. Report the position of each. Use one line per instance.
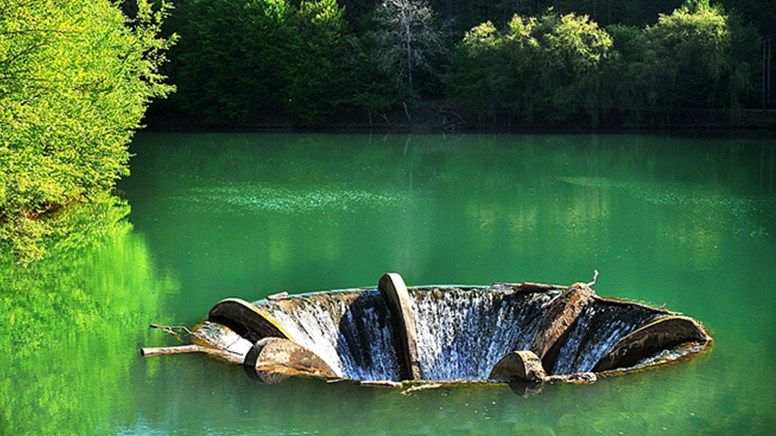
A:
(76, 80)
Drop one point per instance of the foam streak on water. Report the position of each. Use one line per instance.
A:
(463, 332)
(250, 198)
(598, 329)
(353, 335)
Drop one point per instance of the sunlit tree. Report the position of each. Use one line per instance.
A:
(695, 57)
(548, 67)
(688, 55)
(75, 80)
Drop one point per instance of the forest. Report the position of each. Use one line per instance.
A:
(77, 78)
(634, 63)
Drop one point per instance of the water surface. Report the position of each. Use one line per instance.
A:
(684, 222)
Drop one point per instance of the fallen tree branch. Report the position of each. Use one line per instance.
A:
(178, 349)
(219, 353)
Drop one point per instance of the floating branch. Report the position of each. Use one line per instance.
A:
(163, 351)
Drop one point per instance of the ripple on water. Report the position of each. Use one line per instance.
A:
(257, 198)
(728, 210)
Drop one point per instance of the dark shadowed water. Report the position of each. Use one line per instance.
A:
(685, 222)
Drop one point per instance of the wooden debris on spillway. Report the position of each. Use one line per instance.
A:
(561, 315)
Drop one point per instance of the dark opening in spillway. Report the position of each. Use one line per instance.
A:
(447, 333)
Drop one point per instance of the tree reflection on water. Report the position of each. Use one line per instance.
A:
(72, 322)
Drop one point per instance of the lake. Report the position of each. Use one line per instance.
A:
(685, 222)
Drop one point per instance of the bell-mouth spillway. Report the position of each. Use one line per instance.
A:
(524, 332)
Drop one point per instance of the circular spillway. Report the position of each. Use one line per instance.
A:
(503, 332)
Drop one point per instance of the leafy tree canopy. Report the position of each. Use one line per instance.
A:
(539, 65)
(75, 80)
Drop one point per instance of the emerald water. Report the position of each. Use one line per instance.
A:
(685, 222)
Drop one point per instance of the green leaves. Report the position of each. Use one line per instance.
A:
(239, 60)
(689, 56)
(315, 71)
(245, 61)
(695, 57)
(556, 67)
(545, 66)
(75, 79)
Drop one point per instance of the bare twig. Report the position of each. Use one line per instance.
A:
(171, 330)
(595, 277)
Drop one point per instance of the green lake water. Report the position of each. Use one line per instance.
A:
(684, 222)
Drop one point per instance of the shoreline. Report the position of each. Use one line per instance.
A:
(431, 121)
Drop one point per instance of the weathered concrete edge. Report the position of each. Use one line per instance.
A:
(661, 334)
(280, 358)
(521, 365)
(247, 320)
(395, 290)
(636, 304)
(271, 358)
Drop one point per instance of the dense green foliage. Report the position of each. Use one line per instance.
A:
(75, 79)
(689, 59)
(557, 66)
(228, 62)
(315, 73)
(244, 61)
(319, 61)
(549, 66)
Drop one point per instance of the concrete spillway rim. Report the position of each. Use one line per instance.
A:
(525, 287)
(636, 304)
(698, 340)
(235, 312)
(224, 313)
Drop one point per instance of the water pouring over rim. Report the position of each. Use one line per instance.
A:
(393, 335)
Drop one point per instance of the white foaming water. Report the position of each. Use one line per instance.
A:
(598, 329)
(353, 336)
(462, 333)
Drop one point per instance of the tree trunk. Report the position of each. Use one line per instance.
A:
(408, 38)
